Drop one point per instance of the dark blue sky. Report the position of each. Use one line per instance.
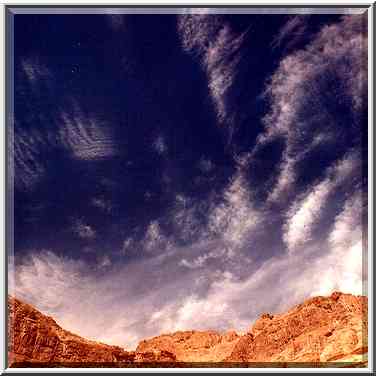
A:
(167, 157)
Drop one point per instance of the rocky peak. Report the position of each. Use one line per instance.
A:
(322, 329)
(35, 337)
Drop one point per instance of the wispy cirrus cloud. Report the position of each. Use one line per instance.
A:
(36, 72)
(291, 32)
(307, 211)
(217, 47)
(210, 293)
(235, 216)
(85, 137)
(200, 298)
(72, 133)
(103, 204)
(347, 249)
(301, 110)
(28, 164)
(83, 230)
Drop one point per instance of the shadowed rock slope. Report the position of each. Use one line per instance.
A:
(322, 329)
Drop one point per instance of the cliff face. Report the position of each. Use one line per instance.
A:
(35, 337)
(322, 329)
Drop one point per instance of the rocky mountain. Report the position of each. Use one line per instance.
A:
(193, 346)
(321, 331)
(36, 338)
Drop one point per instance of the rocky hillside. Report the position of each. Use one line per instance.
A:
(193, 346)
(322, 329)
(35, 337)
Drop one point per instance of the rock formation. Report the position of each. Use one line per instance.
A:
(193, 346)
(37, 338)
(322, 330)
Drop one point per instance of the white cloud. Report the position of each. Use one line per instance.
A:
(221, 73)
(120, 314)
(297, 229)
(345, 259)
(336, 45)
(83, 230)
(154, 240)
(27, 162)
(102, 204)
(298, 277)
(104, 261)
(296, 89)
(86, 138)
(218, 48)
(71, 292)
(128, 244)
(202, 260)
(235, 216)
(48, 280)
(291, 31)
(205, 165)
(36, 72)
(151, 296)
(286, 179)
(307, 211)
(83, 137)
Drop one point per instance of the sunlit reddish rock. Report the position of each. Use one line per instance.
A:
(35, 337)
(322, 329)
(193, 346)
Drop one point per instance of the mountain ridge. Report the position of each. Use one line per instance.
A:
(321, 330)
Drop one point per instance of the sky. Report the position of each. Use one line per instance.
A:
(186, 171)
